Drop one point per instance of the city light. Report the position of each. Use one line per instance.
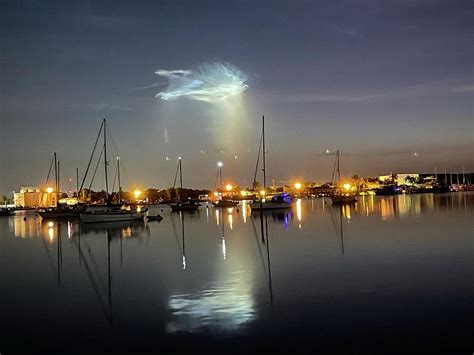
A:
(243, 193)
(220, 164)
(346, 187)
(298, 185)
(49, 190)
(216, 194)
(228, 187)
(137, 193)
(262, 192)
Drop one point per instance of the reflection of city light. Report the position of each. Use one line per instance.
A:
(231, 220)
(224, 251)
(298, 211)
(184, 262)
(217, 217)
(244, 211)
(50, 224)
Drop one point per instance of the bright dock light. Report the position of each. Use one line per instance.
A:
(298, 185)
(137, 193)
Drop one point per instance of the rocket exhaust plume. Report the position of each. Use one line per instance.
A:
(209, 82)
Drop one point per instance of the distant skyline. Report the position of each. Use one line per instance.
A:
(388, 83)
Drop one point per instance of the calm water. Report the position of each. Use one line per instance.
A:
(388, 274)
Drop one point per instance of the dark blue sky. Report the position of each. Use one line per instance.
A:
(380, 80)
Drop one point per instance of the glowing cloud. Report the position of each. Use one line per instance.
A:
(210, 83)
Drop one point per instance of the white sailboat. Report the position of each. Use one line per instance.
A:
(111, 213)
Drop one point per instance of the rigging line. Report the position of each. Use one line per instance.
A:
(175, 176)
(115, 176)
(97, 165)
(333, 171)
(47, 178)
(92, 280)
(215, 183)
(90, 160)
(258, 160)
(118, 154)
(259, 249)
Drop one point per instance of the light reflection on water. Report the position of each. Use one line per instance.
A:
(224, 276)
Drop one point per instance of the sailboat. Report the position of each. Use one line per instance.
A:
(276, 201)
(180, 205)
(223, 201)
(110, 213)
(340, 197)
(58, 212)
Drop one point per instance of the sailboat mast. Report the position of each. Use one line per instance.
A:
(56, 178)
(263, 147)
(119, 182)
(58, 182)
(338, 171)
(105, 164)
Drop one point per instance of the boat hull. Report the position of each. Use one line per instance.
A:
(266, 206)
(111, 217)
(343, 200)
(225, 203)
(6, 213)
(176, 208)
(58, 215)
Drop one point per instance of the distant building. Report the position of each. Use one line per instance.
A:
(400, 179)
(33, 197)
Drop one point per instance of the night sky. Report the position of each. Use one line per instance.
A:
(389, 83)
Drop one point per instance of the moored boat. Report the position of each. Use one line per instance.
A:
(111, 216)
(275, 202)
(190, 205)
(342, 196)
(182, 205)
(225, 203)
(5, 212)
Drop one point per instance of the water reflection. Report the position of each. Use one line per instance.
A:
(232, 273)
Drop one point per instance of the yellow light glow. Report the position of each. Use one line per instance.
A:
(346, 187)
(298, 185)
(49, 190)
(216, 194)
(137, 193)
(50, 224)
(228, 187)
(220, 164)
(262, 192)
(243, 193)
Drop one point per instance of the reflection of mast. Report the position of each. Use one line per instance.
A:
(184, 246)
(268, 263)
(93, 282)
(224, 249)
(108, 276)
(181, 248)
(60, 255)
(341, 229)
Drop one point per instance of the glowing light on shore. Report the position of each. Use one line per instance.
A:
(210, 83)
(298, 185)
(228, 187)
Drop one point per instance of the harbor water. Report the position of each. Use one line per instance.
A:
(387, 274)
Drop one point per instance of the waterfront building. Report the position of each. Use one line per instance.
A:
(33, 197)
